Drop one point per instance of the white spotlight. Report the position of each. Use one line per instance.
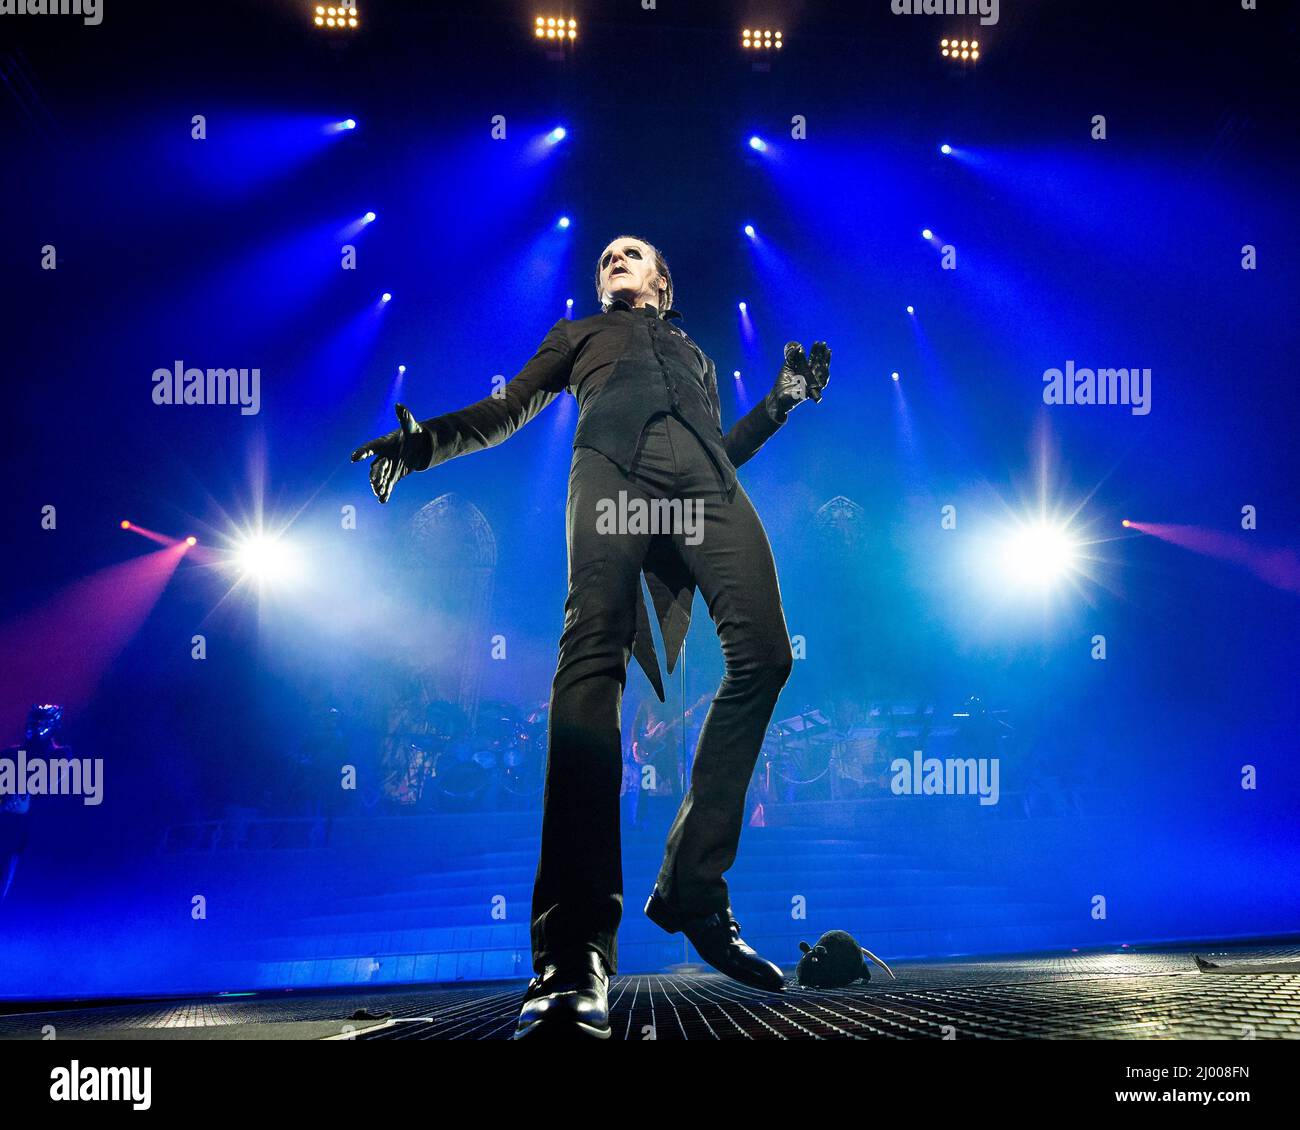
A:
(1038, 554)
(264, 558)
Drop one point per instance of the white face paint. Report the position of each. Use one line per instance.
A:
(627, 271)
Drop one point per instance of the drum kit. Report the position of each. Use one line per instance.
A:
(444, 762)
(807, 757)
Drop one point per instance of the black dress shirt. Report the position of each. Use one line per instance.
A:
(624, 366)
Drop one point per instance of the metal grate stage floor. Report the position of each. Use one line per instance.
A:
(1129, 994)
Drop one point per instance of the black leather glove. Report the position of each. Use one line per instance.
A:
(801, 378)
(398, 453)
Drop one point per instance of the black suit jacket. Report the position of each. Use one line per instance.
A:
(624, 366)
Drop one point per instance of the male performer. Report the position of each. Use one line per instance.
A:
(649, 429)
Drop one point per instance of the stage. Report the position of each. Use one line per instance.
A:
(1155, 993)
(436, 537)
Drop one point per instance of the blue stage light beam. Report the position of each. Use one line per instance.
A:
(396, 393)
(746, 324)
(242, 151)
(545, 144)
(749, 349)
(961, 154)
(356, 227)
(270, 284)
(910, 449)
(743, 403)
(341, 356)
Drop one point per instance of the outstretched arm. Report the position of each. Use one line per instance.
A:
(801, 378)
(489, 421)
(419, 445)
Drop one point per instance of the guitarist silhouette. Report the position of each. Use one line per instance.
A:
(654, 765)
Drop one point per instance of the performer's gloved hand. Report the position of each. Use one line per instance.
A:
(398, 453)
(801, 378)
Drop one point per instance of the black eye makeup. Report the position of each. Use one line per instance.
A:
(627, 250)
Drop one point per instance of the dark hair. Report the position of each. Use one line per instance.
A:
(661, 265)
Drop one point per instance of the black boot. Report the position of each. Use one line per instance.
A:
(568, 1000)
(716, 938)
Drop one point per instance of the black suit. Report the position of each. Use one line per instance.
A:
(649, 428)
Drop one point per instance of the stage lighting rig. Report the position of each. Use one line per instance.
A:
(336, 17)
(960, 50)
(553, 28)
(761, 39)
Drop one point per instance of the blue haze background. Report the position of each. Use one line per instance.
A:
(226, 252)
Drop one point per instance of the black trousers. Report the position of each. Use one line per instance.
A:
(578, 893)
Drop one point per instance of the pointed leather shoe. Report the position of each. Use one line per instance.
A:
(716, 938)
(569, 1000)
